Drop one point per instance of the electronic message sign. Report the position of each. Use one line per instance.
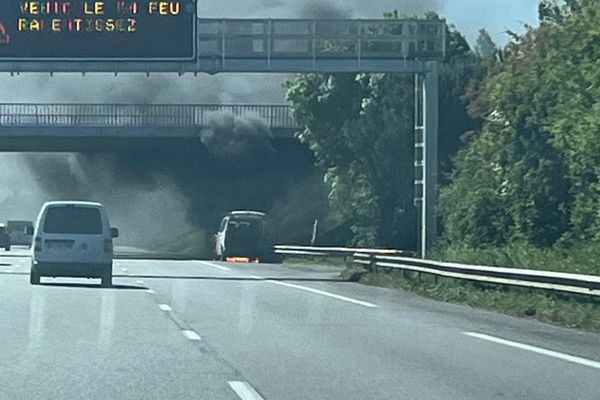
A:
(111, 30)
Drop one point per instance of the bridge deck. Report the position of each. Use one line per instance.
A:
(139, 115)
(75, 127)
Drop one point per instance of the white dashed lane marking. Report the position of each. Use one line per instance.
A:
(191, 335)
(538, 350)
(324, 293)
(245, 391)
(165, 307)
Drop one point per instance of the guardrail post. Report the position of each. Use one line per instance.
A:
(372, 263)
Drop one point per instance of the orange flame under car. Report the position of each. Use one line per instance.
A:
(4, 37)
(245, 260)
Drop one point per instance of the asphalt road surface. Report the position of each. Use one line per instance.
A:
(207, 330)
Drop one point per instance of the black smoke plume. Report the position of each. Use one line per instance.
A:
(237, 140)
(322, 10)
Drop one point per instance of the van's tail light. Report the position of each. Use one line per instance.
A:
(38, 244)
(108, 246)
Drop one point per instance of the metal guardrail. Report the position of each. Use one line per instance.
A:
(557, 281)
(535, 279)
(138, 115)
(333, 251)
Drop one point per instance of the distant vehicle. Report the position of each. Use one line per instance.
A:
(17, 231)
(244, 236)
(73, 239)
(4, 238)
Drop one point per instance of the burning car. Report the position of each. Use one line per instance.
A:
(244, 236)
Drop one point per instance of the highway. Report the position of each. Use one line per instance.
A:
(206, 330)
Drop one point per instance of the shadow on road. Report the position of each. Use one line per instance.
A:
(188, 277)
(91, 286)
(234, 278)
(5, 265)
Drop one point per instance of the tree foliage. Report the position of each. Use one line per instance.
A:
(533, 172)
(355, 125)
(485, 46)
(361, 130)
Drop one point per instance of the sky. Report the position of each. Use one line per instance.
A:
(496, 16)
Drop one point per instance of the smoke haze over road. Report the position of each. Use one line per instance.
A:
(168, 192)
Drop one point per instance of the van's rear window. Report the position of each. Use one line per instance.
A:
(82, 220)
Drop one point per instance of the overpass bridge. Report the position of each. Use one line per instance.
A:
(71, 127)
(278, 45)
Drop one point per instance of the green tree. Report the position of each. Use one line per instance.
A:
(361, 130)
(485, 46)
(555, 12)
(461, 71)
(539, 148)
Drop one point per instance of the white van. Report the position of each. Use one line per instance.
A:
(73, 239)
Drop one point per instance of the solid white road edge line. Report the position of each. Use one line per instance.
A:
(191, 335)
(538, 350)
(165, 307)
(323, 293)
(222, 268)
(245, 391)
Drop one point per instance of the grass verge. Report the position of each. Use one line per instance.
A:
(308, 260)
(573, 257)
(581, 312)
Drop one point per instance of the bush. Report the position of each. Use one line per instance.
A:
(572, 257)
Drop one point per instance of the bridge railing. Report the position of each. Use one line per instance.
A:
(321, 39)
(140, 115)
